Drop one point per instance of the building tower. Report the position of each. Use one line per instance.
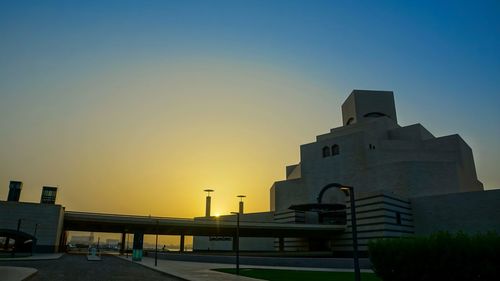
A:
(241, 203)
(15, 191)
(48, 195)
(208, 202)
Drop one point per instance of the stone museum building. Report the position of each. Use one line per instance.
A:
(406, 181)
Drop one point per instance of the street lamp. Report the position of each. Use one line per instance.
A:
(19, 224)
(241, 203)
(126, 251)
(34, 238)
(36, 228)
(237, 242)
(348, 190)
(156, 244)
(7, 240)
(98, 249)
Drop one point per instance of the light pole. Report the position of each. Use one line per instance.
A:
(18, 228)
(98, 250)
(35, 240)
(126, 251)
(237, 244)
(36, 227)
(348, 189)
(19, 224)
(156, 244)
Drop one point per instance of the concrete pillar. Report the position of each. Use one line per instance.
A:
(241, 207)
(207, 206)
(122, 245)
(181, 246)
(62, 242)
(138, 246)
(281, 244)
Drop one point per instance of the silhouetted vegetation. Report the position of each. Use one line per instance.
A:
(298, 275)
(441, 256)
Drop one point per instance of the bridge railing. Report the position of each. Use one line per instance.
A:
(89, 214)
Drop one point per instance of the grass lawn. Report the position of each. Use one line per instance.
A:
(302, 275)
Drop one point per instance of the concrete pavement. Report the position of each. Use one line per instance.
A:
(200, 271)
(14, 273)
(190, 271)
(17, 273)
(34, 257)
(78, 268)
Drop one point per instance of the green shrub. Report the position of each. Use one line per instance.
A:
(439, 257)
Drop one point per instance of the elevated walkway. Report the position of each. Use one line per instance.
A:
(115, 223)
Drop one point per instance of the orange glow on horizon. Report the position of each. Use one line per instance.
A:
(148, 141)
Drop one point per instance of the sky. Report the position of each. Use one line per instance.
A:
(135, 107)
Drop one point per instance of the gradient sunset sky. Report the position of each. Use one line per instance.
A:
(137, 106)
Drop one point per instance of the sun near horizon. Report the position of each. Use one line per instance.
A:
(139, 116)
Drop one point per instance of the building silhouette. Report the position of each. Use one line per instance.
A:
(406, 181)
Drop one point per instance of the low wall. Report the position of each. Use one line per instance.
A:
(265, 261)
(471, 212)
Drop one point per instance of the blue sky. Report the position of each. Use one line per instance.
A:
(60, 60)
(448, 39)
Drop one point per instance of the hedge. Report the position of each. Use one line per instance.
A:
(438, 257)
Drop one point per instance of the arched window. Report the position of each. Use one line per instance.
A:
(326, 151)
(335, 149)
(375, 114)
(349, 121)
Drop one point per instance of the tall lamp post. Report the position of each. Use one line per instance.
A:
(18, 229)
(237, 242)
(35, 240)
(19, 224)
(36, 228)
(348, 190)
(156, 244)
(126, 251)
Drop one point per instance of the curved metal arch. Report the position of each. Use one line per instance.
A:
(328, 186)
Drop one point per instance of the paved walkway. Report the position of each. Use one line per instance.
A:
(17, 273)
(78, 268)
(35, 257)
(14, 273)
(198, 271)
